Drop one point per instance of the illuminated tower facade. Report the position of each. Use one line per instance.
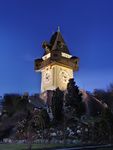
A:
(57, 65)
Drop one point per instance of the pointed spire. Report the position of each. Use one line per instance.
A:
(57, 43)
(58, 29)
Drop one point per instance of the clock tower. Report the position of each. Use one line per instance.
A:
(57, 65)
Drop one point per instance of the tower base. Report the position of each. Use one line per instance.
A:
(46, 96)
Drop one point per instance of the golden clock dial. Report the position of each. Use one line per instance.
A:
(47, 76)
(64, 76)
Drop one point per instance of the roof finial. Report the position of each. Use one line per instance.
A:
(58, 29)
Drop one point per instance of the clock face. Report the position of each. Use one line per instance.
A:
(47, 76)
(64, 76)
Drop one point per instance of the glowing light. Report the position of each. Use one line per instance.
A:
(66, 55)
(46, 56)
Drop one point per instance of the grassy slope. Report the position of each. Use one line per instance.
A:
(36, 146)
(24, 146)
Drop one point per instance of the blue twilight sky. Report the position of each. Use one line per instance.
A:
(86, 25)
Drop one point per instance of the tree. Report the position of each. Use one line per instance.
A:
(57, 104)
(25, 129)
(23, 104)
(36, 120)
(15, 109)
(10, 102)
(45, 117)
(73, 99)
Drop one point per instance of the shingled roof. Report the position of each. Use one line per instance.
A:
(93, 105)
(56, 43)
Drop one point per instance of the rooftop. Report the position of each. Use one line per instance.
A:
(56, 43)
